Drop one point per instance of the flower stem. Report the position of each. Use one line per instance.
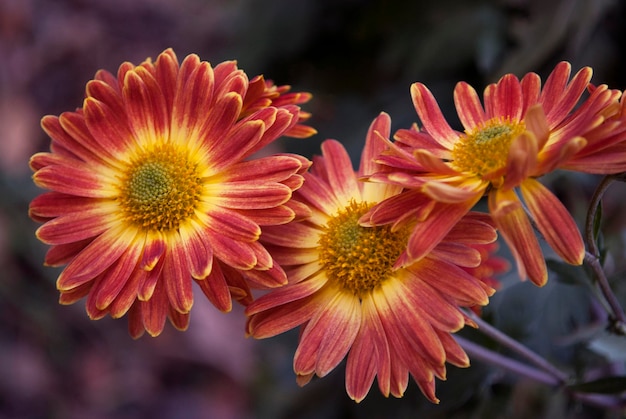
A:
(480, 353)
(517, 347)
(592, 258)
(485, 355)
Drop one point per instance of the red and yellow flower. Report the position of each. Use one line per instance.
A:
(345, 293)
(522, 132)
(149, 188)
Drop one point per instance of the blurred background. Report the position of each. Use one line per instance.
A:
(358, 58)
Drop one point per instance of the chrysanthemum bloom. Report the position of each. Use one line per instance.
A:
(344, 291)
(149, 189)
(522, 132)
(263, 93)
(605, 149)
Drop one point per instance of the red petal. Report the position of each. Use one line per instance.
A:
(154, 311)
(515, 228)
(177, 278)
(145, 105)
(377, 133)
(554, 222)
(329, 335)
(507, 100)
(468, 106)
(99, 255)
(76, 226)
(216, 289)
(77, 180)
(431, 116)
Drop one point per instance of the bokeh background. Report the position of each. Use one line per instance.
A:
(358, 57)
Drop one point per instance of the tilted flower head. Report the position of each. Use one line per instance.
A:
(605, 149)
(262, 93)
(523, 131)
(344, 291)
(149, 189)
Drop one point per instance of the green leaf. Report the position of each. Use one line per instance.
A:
(606, 385)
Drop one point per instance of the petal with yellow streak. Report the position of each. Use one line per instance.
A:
(514, 226)
(431, 116)
(554, 221)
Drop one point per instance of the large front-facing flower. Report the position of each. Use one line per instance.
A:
(347, 296)
(149, 189)
(521, 133)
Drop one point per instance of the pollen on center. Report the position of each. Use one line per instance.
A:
(355, 258)
(486, 148)
(159, 189)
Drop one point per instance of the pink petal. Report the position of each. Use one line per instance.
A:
(554, 222)
(427, 234)
(250, 195)
(274, 168)
(468, 106)
(285, 295)
(75, 226)
(146, 107)
(431, 116)
(515, 228)
(282, 318)
(99, 255)
(154, 311)
(521, 161)
(339, 170)
(232, 252)
(198, 250)
(115, 278)
(215, 287)
(531, 89)
(177, 278)
(362, 362)
(193, 106)
(77, 180)
(329, 335)
(231, 224)
(378, 131)
(507, 99)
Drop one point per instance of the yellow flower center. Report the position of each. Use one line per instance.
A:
(160, 189)
(486, 149)
(356, 258)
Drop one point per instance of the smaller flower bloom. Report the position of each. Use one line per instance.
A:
(522, 132)
(150, 187)
(263, 93)
(605, 149)
(345, 293)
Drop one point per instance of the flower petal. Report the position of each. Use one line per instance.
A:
(431, 116)
(554, 222)
(468, 106)
(329, 335)
(515, 228)
(339, 170)
(99, 255)
(215, 287)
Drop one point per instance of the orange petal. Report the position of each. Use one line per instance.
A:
(468, 106)
(215, 288)
(515, 228)
(431, 116)
(554, 222)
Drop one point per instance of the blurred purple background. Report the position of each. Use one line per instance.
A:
(358, 58)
